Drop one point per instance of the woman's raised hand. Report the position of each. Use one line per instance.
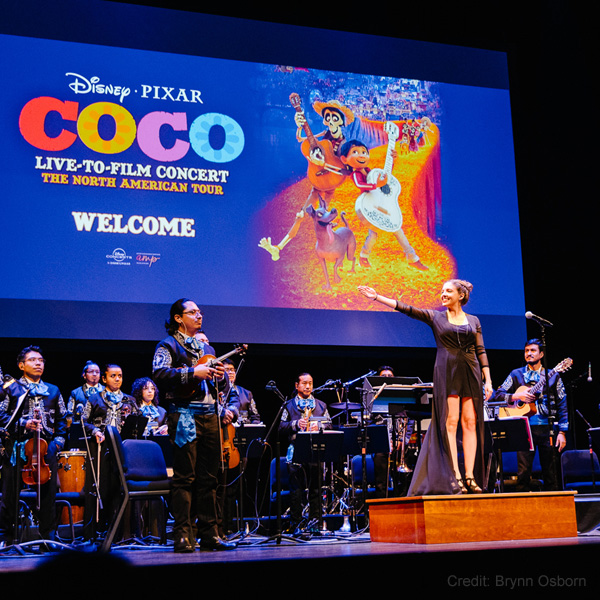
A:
(367, 292)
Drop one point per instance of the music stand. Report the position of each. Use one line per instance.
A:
(273, 431)
(509, 434)
(318, 447)
(134, 427)
(76, 436)
(245, 436)
(381, 391)
(397, 397)
(393, 395)
(372, 439)
(248, 440)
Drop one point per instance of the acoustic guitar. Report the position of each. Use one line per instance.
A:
(380, 206)
(330, 175)
(520, 408)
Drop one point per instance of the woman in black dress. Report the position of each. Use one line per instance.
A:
(458, 393)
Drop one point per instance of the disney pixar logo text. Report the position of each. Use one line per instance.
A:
(83, 85)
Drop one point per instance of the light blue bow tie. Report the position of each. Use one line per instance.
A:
(37, 389)
(113, 398)
(194, 343)
(304, 403)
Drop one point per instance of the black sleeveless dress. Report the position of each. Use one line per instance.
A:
(459, 359)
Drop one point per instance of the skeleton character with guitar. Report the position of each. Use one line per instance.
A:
(523, 394)
(325, 170)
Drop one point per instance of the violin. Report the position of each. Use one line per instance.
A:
(231, 455)
(36, 471)
(210, 361)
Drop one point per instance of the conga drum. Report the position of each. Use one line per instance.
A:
(71, 478)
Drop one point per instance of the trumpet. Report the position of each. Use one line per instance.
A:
(306, 415)
(402, 466)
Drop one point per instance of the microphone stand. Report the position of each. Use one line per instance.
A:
(243, 460)
(551, 402)
(240, 476)
(278, 537)
(18, 533)
(591, 450)
(363, 442)
(573, 385)
(95, 474)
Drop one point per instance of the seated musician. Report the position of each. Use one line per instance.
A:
(27, 407)
(145, 392)
(241, 398)
(109, 407)
(296, 417)
(77, 399)
(91, 385)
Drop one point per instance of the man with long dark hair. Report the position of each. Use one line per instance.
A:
(191, 387)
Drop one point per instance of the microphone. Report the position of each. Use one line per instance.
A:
(539, 320)
(589, 372)
(79, 410)
(271, 386)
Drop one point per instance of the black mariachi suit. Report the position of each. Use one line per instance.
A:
(99, 412)
(47, 398)
(540, 427)
(195, 435)
(306, 475)
(242, 401)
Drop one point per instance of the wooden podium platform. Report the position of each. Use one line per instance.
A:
(473, 518)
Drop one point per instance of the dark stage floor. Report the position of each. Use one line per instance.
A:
(351, 562)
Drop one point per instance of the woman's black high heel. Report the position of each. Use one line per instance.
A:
(471, 486)
(462, 486)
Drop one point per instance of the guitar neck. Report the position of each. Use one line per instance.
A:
(537, 388)
(296, 103)
(225, 356)
(312, 140)
(389, 159)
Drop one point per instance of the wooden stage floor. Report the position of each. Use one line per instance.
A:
(351, 562)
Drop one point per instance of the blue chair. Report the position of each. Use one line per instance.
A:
(580, 471)
(357, 470)
(284, 481)
(143, 475)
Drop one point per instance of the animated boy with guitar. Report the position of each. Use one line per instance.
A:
(326, 172)
(377, 206)
(520, 388)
